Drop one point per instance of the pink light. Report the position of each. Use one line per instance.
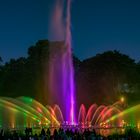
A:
(39, 110)
(72, 112)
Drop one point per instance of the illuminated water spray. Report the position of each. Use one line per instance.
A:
(61, 69)
(70, 63)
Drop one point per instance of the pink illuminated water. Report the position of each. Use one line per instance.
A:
(61, 70)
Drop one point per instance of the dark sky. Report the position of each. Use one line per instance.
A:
(97, 26)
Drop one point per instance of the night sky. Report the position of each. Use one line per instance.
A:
(97, 26)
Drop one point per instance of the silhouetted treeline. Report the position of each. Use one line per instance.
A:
(107, 77)
(103, 78)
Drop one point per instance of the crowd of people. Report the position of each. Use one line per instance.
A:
(67, 134)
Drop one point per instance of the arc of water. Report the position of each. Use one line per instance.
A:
(100, 115)
(122, 113)
(82, 113)
(108, 111)
(118, 104)
(100, 108)
(18, 108)
(44, 109)
(88, 117)
(57, 108)
(52, 114)
(26, 107)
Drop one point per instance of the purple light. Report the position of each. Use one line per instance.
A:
(68, 42)
(61, 69)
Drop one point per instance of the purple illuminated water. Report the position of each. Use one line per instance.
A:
(61, 70)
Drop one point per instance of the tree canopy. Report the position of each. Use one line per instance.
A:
(108, 76)
(101, 79)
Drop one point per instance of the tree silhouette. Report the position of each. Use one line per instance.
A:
(101, 79)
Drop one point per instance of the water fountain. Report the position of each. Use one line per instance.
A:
(128, 117)
(24, 111)
(61, 69)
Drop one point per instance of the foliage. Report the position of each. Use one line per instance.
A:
(107, 77)
(103, 78)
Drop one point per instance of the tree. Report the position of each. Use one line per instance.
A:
(37, 63)
(30, 76)
(13, 74)
(101, 78)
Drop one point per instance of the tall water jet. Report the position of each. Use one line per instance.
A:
(61, 71)
(70, 64)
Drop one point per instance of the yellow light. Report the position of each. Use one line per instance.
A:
(122, 99)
